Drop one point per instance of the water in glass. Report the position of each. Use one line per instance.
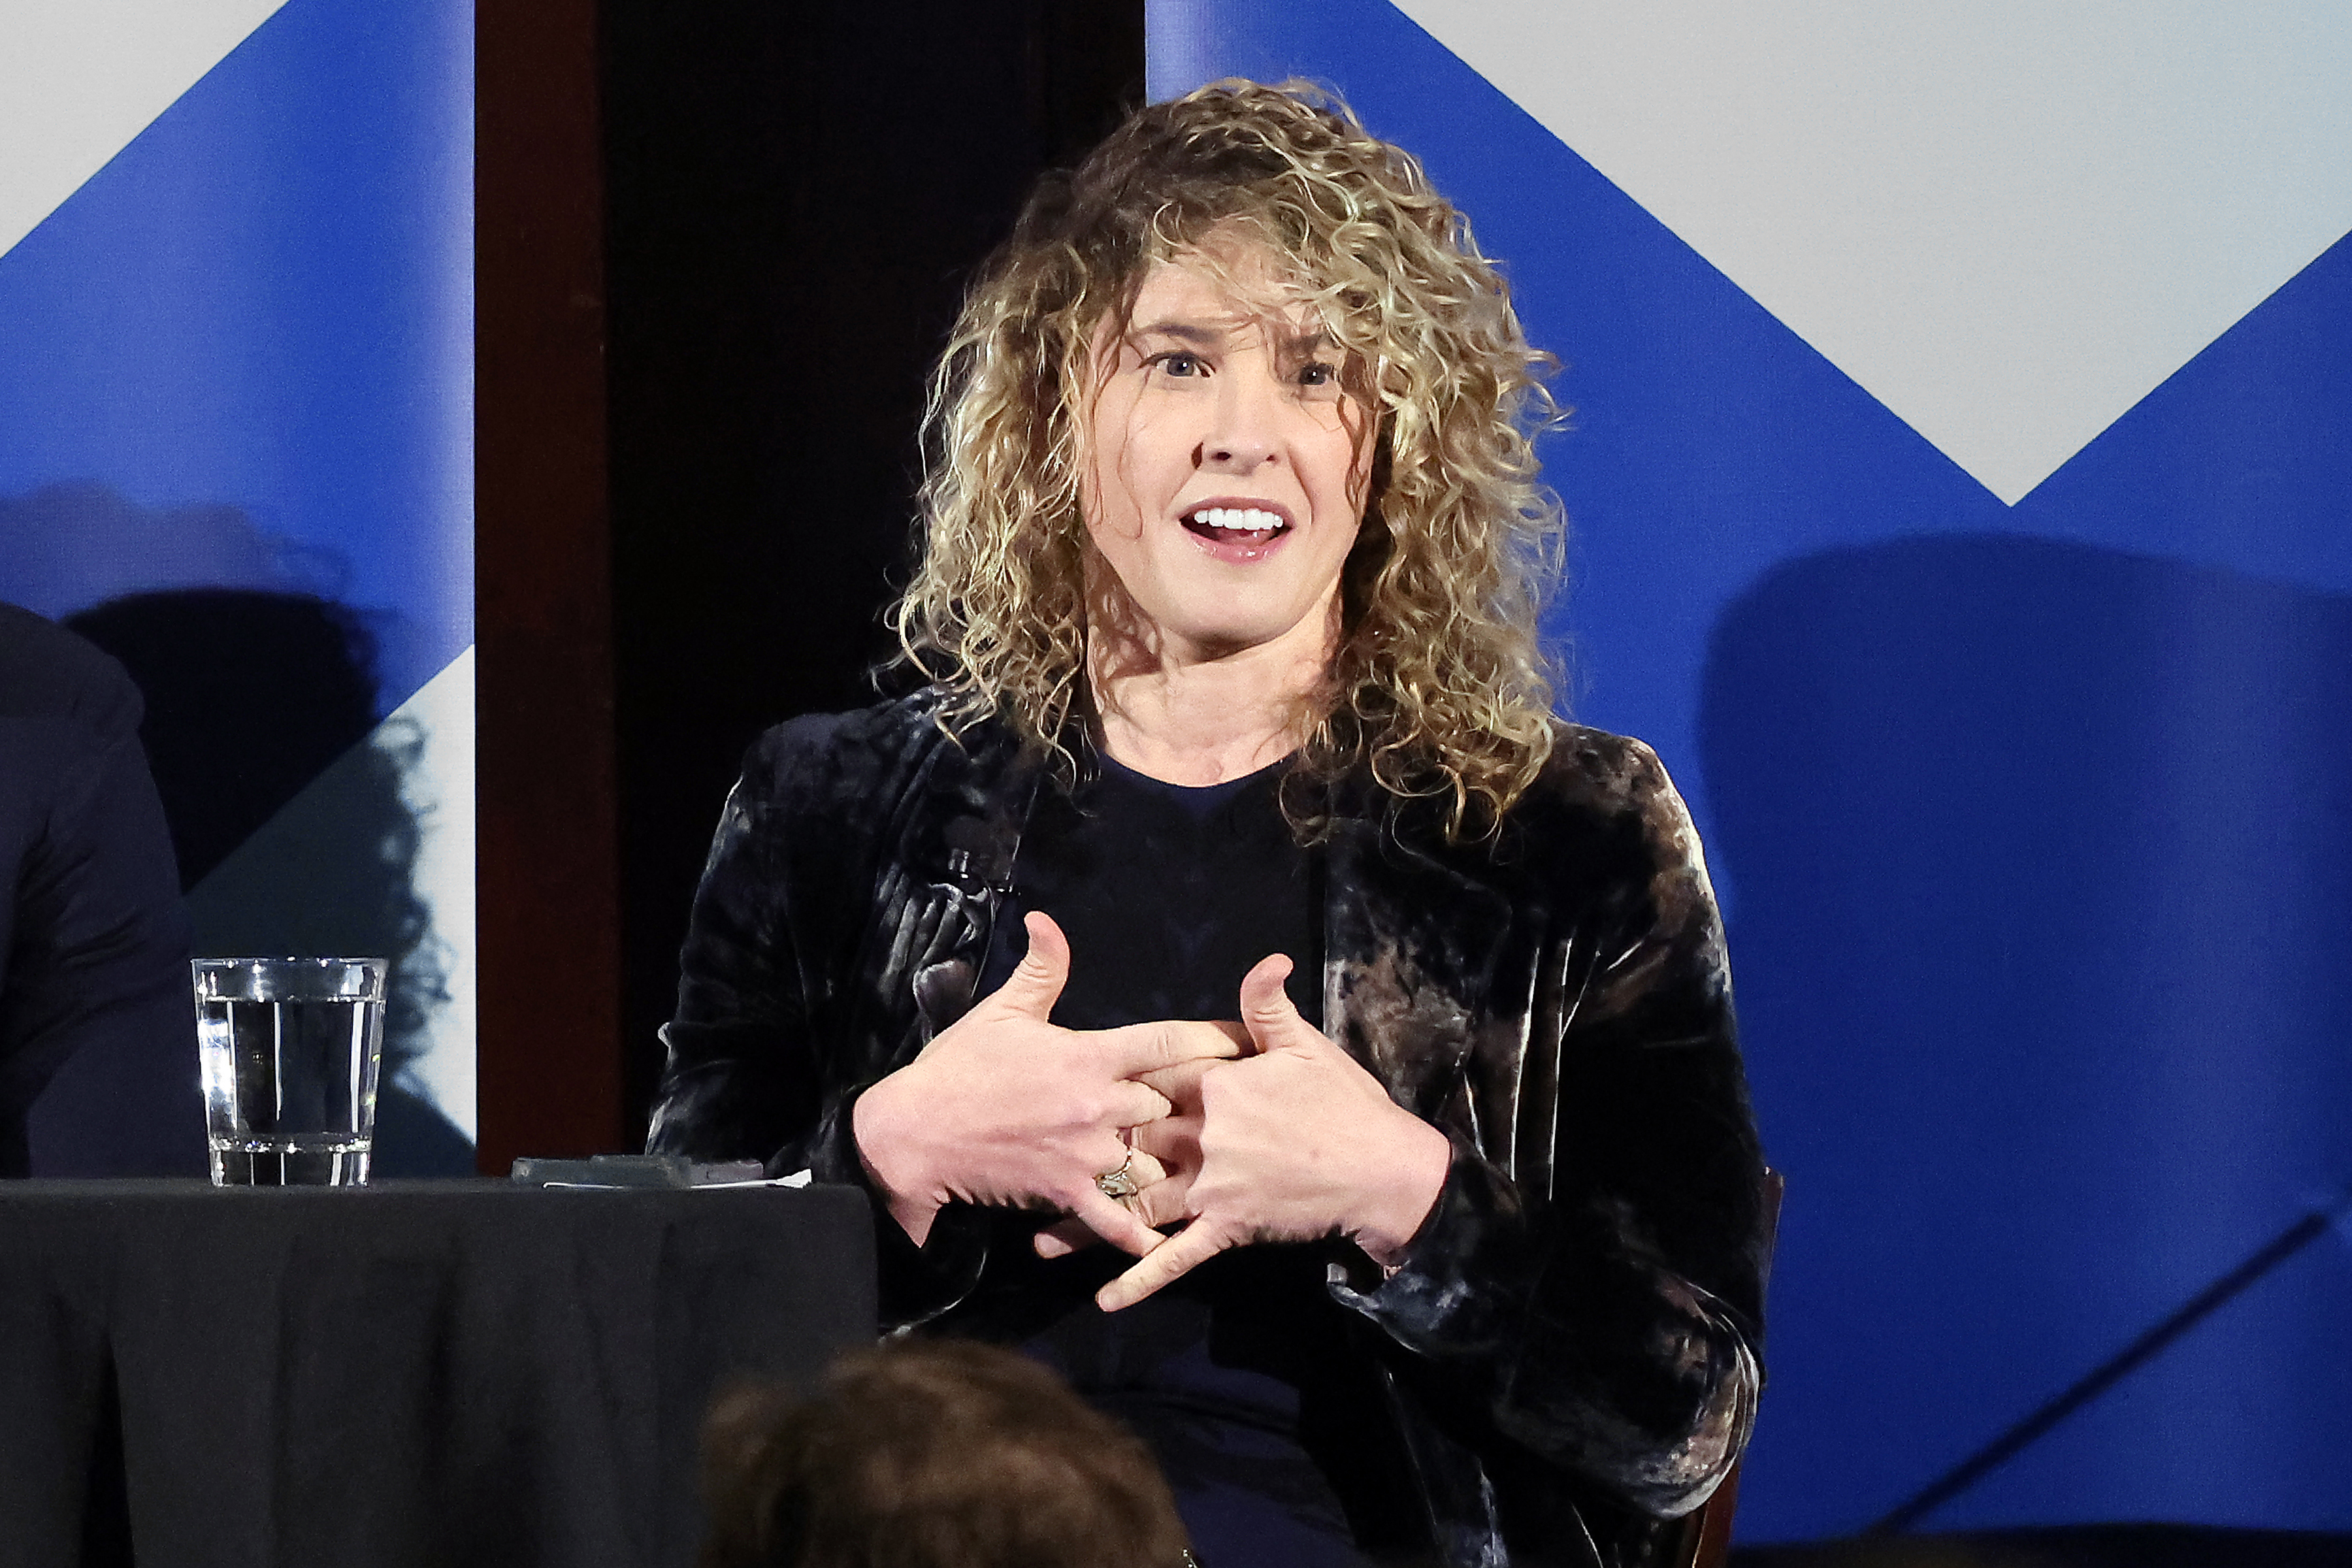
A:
(290, 1085)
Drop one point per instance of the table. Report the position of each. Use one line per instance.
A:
(412, 1374)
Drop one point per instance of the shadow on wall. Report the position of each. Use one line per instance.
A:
(250, 696)
(2041, 867)
(286, 803)
(81, 542)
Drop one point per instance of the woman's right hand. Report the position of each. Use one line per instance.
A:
(1006, 1109)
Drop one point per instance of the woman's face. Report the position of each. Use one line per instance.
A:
(1225, 469)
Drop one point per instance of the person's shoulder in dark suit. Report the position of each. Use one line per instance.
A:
(98, 1072)
(50, 674)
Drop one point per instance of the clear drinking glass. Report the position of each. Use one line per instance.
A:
(292, 1047)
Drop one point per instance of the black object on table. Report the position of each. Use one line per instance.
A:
(412, 1374)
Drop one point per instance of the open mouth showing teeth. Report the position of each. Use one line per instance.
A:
(1237, 525)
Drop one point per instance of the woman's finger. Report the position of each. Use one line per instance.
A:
(1036, 984)
(1164, 1203)
(1133, 1104)
(1063, 1237)
(1132, 1049)
(1113, 1224)
(1158, 1200)
(1174, 1258)
(1267, 1011)
(1145, 1171)
(1181, 1082)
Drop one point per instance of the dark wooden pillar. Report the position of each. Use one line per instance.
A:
(551, 1054)
(795, 196)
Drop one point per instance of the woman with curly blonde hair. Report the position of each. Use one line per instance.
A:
(1229, 893)
(1436, 681)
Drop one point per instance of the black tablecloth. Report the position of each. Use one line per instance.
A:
(412, 1374)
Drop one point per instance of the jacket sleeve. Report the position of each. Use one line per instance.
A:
(763, 1063)
(744, 1077)
(1592, 1293)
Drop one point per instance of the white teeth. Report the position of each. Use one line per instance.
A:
(1242, 520)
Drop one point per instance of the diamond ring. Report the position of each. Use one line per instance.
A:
(1119, 1184)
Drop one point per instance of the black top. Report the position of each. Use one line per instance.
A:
(96, 1019)
(1242, 1375)
(1169, 895)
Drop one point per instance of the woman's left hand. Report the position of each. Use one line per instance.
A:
(1295, 1142)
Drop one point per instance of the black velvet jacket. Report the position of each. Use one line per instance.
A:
(1570, 1344)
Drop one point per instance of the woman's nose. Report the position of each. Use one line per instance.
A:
(1242, 437)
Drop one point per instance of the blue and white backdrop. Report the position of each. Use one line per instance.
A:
(236, 448)
(1962, 504)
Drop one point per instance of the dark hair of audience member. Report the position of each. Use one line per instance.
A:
(931, 1454)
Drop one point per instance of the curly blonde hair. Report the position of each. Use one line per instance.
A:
(1439, 686)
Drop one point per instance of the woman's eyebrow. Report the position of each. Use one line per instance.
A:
(1184, 331)
(1299, 345)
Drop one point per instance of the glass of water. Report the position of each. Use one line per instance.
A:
(292, 1047)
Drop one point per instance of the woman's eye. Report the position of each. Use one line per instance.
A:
(1315, 373)
(1179, 363)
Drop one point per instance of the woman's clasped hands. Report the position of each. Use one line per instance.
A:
(1255, 1131)
(1007, 1108)
(1292, 1141)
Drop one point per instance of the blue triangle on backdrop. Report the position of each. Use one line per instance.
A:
(241, 354)
(2034, 825)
